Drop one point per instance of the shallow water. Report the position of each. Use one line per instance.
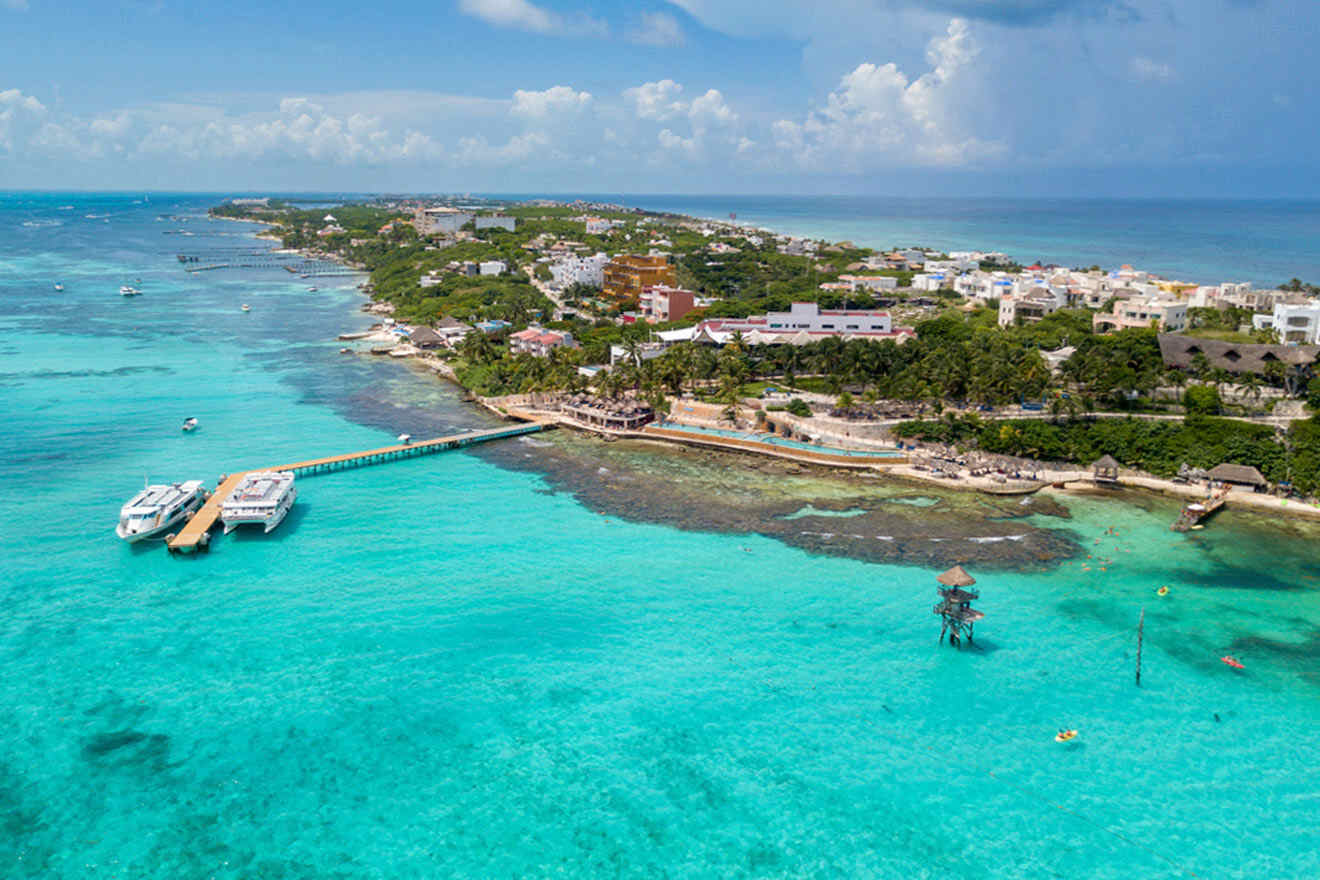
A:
(498, 662)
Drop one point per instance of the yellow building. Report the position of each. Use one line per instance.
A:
(627, 275)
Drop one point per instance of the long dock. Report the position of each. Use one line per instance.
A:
(196, 532)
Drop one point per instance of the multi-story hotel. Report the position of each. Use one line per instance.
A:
(628, 274)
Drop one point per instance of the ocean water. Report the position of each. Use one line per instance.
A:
(1206, 241)
(443, 667)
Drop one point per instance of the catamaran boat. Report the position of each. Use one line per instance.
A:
(190, 424)
(129, 290)
(157, 509)
(262, 497)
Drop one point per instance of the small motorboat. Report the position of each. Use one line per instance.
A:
(59, 288)
(246, 307)
(129, 290)
(1064, 736)
(1230, 660)
(345, 351)
(312, 289)
(405, 439)
(190, 424)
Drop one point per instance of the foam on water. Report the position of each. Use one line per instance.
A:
(437, 668)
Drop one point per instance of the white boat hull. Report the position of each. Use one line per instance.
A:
(268, 521)
(159, 528)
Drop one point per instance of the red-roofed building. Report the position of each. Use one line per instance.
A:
(539, 342)
(805, 322)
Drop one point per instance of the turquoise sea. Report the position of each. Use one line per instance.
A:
(448, 667)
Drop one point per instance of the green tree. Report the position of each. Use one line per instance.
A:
(1201, 400)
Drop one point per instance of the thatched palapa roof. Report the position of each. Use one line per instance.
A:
(956, 577)
(1237, 473)
(1181, 351)
(1106, 462)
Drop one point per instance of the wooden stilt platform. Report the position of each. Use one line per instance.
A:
(196, 532)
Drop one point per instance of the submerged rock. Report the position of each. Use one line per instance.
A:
(868, 516)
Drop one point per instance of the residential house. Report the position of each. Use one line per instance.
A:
(1169, 315)
(1292, 324)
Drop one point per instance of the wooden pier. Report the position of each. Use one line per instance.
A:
(196, 532)
(1199, 511)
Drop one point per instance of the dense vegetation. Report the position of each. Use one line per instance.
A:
(1159, 447)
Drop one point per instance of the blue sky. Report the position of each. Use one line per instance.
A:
(1037, 97)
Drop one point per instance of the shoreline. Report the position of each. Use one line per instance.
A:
(1053, 482)
(1073, 482)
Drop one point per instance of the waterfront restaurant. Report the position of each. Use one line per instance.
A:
(612, 415)
(1238, 475)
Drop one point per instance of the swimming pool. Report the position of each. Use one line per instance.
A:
(775, 440)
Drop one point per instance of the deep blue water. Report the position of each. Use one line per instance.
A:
(1266, 242)
(442, 667)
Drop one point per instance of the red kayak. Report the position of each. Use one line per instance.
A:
(1232, 661)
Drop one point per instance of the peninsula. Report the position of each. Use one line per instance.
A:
(968, 368)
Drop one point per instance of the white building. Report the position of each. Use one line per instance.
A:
(572, 270)
(1027, 307)
(869, 282)
(951, 266)
(599, 225)
(985, 286)
(931, 281)
(440, 221)
(496, 221)
(1293, 324)
(491, 267)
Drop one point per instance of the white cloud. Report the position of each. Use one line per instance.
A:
(656, 100)
(20, 115)
(673, 143)
(526, 16)
(711, 110)
(478, 151)
(658, 29)
(555, 103)
(878, 115)
(1150, 71)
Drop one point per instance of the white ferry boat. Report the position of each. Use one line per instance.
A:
(157, 509)
(262, 497)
